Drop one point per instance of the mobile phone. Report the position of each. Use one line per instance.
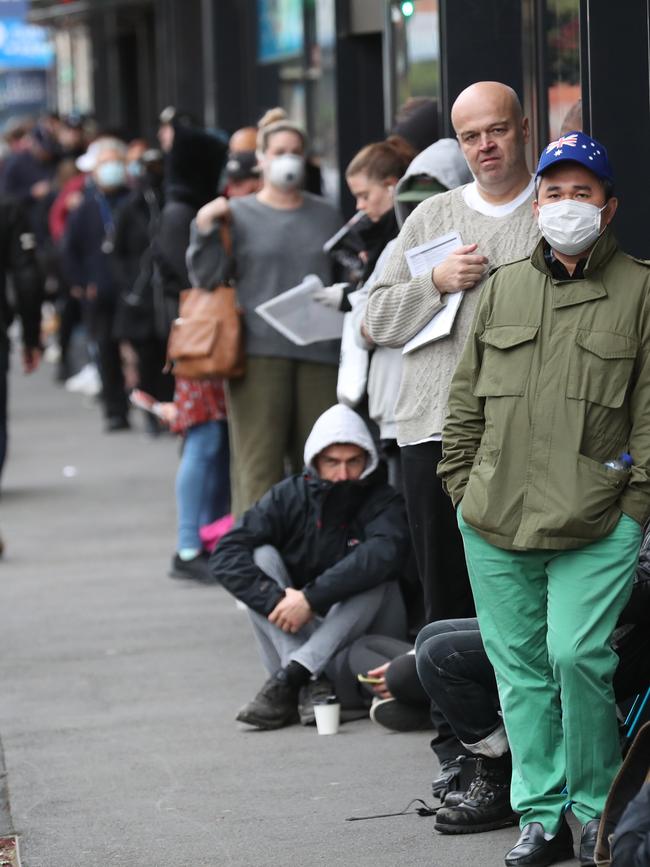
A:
(363, 678)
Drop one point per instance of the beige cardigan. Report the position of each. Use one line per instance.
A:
(400, 305)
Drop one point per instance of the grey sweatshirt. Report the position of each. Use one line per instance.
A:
(400, 305)
(273, 251)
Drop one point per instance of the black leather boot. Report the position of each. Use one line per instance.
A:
(274, 706)
(486, 803)
(533, 850)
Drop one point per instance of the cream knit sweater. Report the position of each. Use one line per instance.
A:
(400, 305)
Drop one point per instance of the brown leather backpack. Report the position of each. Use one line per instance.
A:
(207, 338)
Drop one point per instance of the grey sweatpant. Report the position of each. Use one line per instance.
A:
(379, 610)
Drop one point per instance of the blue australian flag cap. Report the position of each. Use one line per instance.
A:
(580, 148)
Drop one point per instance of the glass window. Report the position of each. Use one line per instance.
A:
(562, 28)
(322, 120)
(416, 50)
(280, 30)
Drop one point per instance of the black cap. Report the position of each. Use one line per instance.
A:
(242, 165)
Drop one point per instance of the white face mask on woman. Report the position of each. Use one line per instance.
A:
(570, 226)
(286, 172)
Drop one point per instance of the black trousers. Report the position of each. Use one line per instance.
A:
(4, 374)
(152, 354)
(114, 398)
(371, 651)
(69, 309)
(436, 538)
(456, 674)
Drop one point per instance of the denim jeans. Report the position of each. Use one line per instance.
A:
(457, 676)
(202, 481)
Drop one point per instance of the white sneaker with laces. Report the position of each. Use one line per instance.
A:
(87, 381)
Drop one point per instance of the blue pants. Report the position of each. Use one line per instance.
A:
(202, 481)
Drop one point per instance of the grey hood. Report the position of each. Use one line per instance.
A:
(340, 424)
(444, 162)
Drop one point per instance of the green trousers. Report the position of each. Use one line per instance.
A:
(546, 618)
(271, 412)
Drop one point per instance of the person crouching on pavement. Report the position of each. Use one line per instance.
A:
(547, 459)
(316, 560)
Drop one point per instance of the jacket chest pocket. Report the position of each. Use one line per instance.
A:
(507, 358)
(601, 367)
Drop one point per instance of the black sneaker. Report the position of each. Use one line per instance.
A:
(399, 717)
(274, 706)
(486, 805)
(314, 691)
(116, 423)
(196, 569)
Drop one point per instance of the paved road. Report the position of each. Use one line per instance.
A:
(120, 685)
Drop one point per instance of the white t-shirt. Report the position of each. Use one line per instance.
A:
(476, 202)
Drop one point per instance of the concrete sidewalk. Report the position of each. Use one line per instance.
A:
(120, 686)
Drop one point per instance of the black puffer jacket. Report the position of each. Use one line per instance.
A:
(336, 539)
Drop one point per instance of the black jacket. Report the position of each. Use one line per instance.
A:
(17, 256)
(85, 260)
(336, 540)
(631, 843)
(136, 224)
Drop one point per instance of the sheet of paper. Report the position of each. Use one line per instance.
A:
(422, 260)
(301, 319)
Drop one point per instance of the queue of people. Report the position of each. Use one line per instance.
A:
(505, 463)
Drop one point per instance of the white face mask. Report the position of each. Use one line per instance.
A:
(111, 174)
(570, 226)
(286, 172)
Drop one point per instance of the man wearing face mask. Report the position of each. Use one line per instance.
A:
(546, 454)
(88, 250)
(278, 236)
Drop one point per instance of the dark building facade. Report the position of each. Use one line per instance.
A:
(343, 68)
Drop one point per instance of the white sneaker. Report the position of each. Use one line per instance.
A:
(52, 353)
(87, 381)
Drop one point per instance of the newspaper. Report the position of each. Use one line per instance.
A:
(422, 260)
(301, 319)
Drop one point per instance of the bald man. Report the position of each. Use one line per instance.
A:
(243, 140)
(494, 218)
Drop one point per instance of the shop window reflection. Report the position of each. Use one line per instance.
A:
(416, 51)
(562, 19)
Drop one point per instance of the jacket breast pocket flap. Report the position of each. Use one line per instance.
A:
(601, 367)
(506, 360)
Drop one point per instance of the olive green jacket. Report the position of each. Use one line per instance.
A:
(554, 381)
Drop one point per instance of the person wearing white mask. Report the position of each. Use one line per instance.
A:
(278, 236)
(89, 262)
(546, 456)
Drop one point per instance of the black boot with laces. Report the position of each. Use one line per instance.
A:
(274, 706)
(486, 805)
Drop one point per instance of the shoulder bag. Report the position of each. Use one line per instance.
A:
(207, 338)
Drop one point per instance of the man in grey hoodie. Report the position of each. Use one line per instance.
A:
(316, 561)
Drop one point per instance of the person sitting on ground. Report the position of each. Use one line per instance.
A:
(316, 560)
(382, 674)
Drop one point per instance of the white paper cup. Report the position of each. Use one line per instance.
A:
(328, 717)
